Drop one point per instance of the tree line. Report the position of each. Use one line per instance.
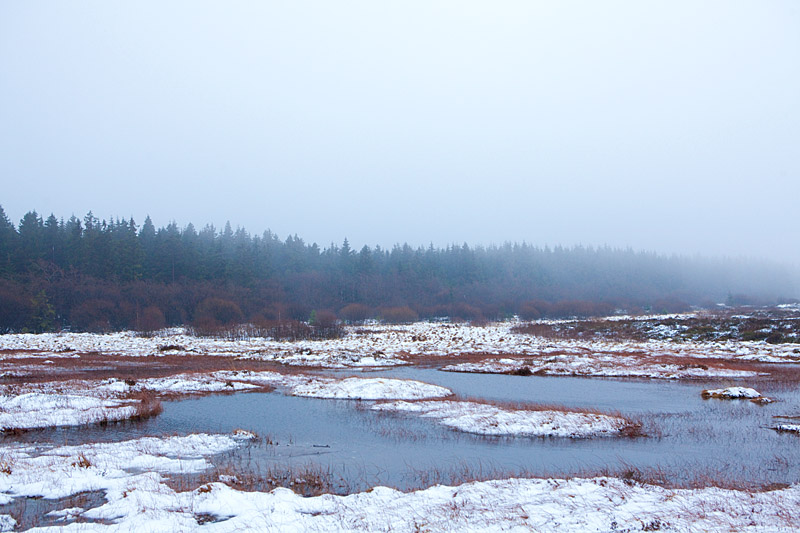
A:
(102, 275)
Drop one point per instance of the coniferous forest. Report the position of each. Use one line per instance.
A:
(104, 275)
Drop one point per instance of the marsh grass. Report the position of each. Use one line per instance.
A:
(148, 405)
(239, 473)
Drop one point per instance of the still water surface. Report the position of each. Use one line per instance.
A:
(690, 438)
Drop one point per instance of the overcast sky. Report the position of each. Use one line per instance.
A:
(671, 126)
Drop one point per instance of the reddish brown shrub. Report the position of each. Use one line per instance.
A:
(152, 319)
(529, 311)
(324, 318)
(217, 311)
(355, 312)
(399, 315)
(93, 315)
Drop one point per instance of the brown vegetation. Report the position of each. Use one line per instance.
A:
(148, 405)
(765, 326)
(398, 315)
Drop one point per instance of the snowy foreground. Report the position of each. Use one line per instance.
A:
(132, 476)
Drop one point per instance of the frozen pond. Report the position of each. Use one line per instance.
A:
(690, 438)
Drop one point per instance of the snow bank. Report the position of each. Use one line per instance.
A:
(599, 504)
(370, 389)
(484, 419)
(39, 410)
(67, 470)
(198, 383)
(137, 500)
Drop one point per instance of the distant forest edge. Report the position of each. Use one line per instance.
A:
(93, 275)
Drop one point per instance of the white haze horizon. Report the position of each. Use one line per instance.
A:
(668, 128)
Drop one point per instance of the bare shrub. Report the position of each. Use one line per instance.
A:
(465, 312)
(355, 313)
(217, 312)
(152, 319)
(399, 315)
(324, 318)
(93, 315)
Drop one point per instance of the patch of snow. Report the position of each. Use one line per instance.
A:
(68, 513)
(597, 365)
(113, 467)
(7, 522)
(39, 410)
(485, 419)
(243, 434)
(370, 389)
(732, 393)
(544, 505)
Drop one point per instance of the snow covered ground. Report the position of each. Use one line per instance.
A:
(597, 365)
(383, 345)
(132, 476)
(487, 419)
(370, 389)
(40, 410)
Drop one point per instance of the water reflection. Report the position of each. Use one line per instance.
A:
(691, 438)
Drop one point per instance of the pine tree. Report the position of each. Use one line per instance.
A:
(8, 242)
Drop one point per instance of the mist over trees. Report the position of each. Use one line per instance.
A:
(100, 275)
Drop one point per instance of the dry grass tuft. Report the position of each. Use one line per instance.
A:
(148, 405)
(82, 461)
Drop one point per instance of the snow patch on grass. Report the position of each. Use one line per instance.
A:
(39, 410)
(370, 389)
(114, 467)
(380, 345)
(597, 365)
(732, 393)
(485, 419)
(546, 505)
